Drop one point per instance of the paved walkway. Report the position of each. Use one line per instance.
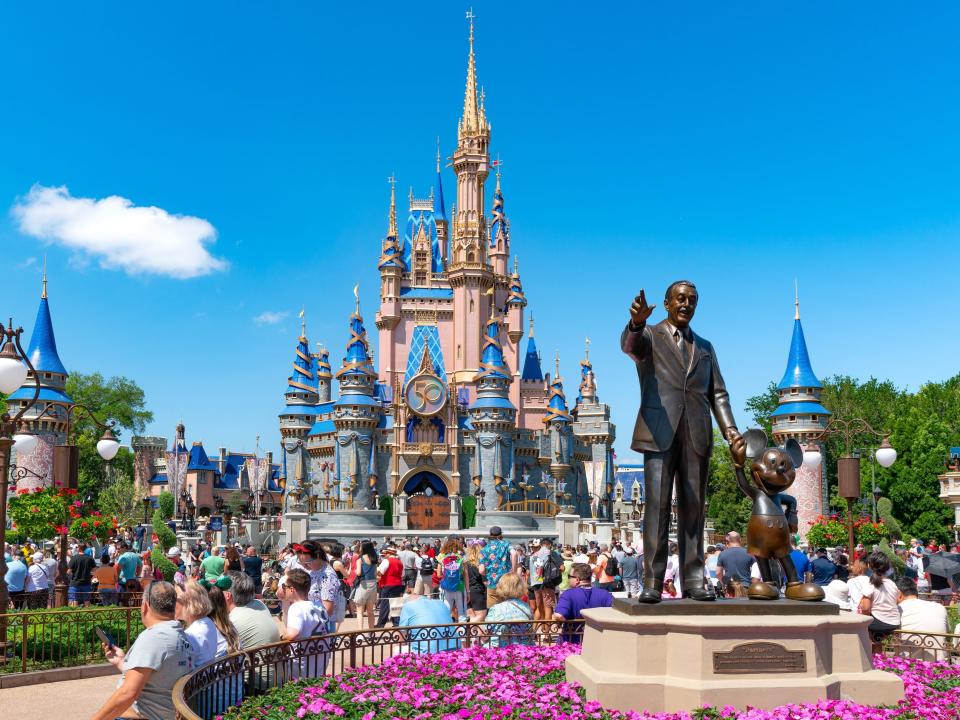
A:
(68, 700)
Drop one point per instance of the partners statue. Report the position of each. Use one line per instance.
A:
(768, 532)
(680, 383)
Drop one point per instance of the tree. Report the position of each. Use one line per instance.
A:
(727, 506)
(119, 399)
(236, 503)
(166, 538)
(763, 406)
(120, 500)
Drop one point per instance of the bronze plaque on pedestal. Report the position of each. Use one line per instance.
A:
(759, 657)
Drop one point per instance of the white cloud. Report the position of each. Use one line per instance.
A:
(120, 234)
(269, 317)
(27, 262)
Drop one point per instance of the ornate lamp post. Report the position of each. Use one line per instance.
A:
(14, 367)
(848, 466)
(146, 508)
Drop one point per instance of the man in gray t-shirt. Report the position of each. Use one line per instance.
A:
(159, 657)
(252, 619)
(408, 557)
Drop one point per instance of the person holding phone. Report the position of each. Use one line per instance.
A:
(160, 656)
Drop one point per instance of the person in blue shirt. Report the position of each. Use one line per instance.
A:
(16, 579)
(422, 610)
(824, 571)
(800, 560)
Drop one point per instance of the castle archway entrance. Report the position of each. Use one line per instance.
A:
(428, 507)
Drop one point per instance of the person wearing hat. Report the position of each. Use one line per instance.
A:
(498, 559)
(630, 572)
(389, 582)
(567, 556)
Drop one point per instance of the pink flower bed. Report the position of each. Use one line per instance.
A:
(527, 683)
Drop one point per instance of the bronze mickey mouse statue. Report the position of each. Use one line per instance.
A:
(768, 532)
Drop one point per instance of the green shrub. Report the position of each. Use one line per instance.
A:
(166, 539)
(166, 504)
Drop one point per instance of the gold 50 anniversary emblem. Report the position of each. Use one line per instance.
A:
(426, 394)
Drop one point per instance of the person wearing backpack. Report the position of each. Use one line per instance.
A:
(608, 569)
(452, 589)
(546, 574)
(425, 569)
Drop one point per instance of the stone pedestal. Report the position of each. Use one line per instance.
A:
(295, 526)
(679, 655)
(568, 529)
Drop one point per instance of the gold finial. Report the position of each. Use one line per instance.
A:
(587, 352)
(556, 364)
(471, 117)
(438, 153)
(43, 293)
(303, 323)
(490, 292)
(796, 300)
(392, 228)
(516, 265)
(531, 324)
(356, 294)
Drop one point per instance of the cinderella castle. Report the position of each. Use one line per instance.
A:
(459, 406)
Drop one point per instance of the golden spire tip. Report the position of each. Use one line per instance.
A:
(356, 294)
(438, 153)
(796, 300)
(587, 353)
(43, 293)
(531, 324)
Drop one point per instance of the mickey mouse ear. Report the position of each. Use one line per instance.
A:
(756, 440)
(793, 449)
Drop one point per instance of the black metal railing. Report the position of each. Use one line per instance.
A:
(44, 639)
(216, 686)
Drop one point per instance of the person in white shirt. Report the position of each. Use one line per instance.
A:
(856, 583)
(922, 616)
(37, 577)
(304, 619)
(880, 597)
(193, 610)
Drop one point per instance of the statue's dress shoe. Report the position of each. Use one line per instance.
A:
(804, 591)
(649, 595)
(699, 594)
(760, 590)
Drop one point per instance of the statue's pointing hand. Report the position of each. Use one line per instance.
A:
(639, 310)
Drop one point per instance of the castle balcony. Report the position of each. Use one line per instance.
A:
(414, 453)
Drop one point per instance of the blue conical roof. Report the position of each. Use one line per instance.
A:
(304, 378)
(43, 345)
(492, 363)
(357, 360)
(799, 373)
(557, 406)
(531, 363)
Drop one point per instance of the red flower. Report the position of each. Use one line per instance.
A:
(34, 509)
(23, 491)
(84, 524)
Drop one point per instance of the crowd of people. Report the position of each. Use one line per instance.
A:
(223, 599)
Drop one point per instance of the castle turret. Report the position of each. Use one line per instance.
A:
(48, 418)
(324, 375)
(594, 431)
(494, 419)
(499, 232)
(301, 395)
(355, 416)
(392, 267)
(469, 273)
(440, 212)
(800, 416)
(558, 422)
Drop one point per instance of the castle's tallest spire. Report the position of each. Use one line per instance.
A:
(470, 123)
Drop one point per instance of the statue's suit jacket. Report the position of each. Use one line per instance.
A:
(668, 391)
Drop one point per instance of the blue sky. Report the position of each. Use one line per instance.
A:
(738, 145)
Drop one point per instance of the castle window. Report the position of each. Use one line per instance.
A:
(794, 391)
(793, 418)
(470, 257)
(471, 304)
(458, 352)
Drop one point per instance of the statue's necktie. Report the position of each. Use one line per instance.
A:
(682, 346)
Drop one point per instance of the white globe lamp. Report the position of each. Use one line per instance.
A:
(108, 445)
(812, 459)
(886, 454)
(13, 372)
(24, 442)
